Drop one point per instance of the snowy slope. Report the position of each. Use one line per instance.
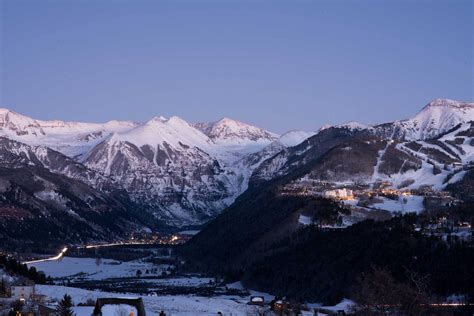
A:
(234, 131)
(165, 165)
(289, 139)
(186, 174)
(436, 118)
(233, 139)
(70, 138)
(244, 167)
(293, 138)
(14, 154)
(177, 305)
(433, 148)
(180, 173)
(57, 199)
(174, 131)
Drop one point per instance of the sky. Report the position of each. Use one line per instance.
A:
(280, 65)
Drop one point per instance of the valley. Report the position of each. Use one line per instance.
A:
(221, 212)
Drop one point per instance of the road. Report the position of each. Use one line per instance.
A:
(57, 257)
(65, 249)
(129, 243)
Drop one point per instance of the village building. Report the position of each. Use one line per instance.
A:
(340, 194)
(44, 310)
(22, 289)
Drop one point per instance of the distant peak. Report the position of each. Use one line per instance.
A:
(157, 119)
(177, 120)
(325, 126)
(4, 111)
(227, 128)
(449, 103)
(354, 125)
(226, 120)
(13, 116)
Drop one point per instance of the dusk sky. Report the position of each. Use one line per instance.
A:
(280, 65)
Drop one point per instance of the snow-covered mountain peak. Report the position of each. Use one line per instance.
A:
(434, 119)
(10, 117)
(354, 125)
(228, 129)
(442, 110)
(226, 120)
(449, 103)
(172, 121)
(157, 131)
(119, 124)
(438, 117)
(4, 111)
(177, 121)
(293, 138)
(325, 126)
(157, 119)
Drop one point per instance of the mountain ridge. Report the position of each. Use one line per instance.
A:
(187, 173)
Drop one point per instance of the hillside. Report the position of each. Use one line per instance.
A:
(284, 237)
(47, 198)
(179, 175)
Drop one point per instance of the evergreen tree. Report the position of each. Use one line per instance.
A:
(3, 287)
(97, 311)
(65, 306)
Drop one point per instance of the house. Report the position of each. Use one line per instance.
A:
(44, 310)
(22, 289)
(111, 306)
(342, 194)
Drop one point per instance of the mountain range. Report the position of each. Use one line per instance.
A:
(168, 173)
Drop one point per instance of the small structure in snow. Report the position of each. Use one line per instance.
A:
(102, 306)
(257, 300)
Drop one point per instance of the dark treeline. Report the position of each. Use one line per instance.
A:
(12, 265)
(464, 189)
(256, 240)
(325, 266)
(251, 224)
(119, 253)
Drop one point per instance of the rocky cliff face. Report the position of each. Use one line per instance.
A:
(39, 203)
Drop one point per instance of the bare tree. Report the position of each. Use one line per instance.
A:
(378, 293)
(121, 311)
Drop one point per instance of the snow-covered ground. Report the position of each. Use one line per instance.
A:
(89, 269)
(304, 220)
(184, 281)
(345, 305)
(177, 305)
(172, 305)
(107, 310)
(406, 204)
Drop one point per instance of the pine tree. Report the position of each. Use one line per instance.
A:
(97, 311)
(3, 287)
(65, 306)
